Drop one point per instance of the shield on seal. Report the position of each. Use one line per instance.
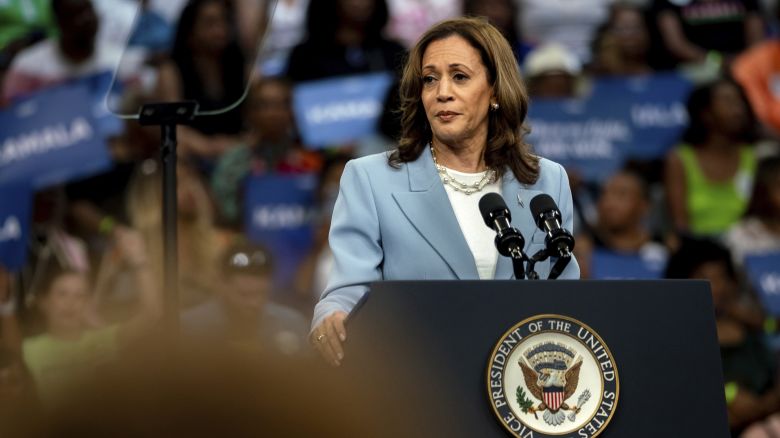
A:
(553, 397)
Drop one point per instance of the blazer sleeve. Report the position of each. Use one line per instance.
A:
(566, 205)
(355, 242)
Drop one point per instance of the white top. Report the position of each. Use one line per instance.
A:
(750, 237)
(479, 237)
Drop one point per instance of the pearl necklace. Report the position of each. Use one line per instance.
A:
(459, 186)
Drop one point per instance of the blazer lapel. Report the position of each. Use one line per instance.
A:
(518, 200)
(428, 208)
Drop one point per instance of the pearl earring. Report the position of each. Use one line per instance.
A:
(494, 106)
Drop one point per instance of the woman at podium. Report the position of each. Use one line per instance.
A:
(412, 214)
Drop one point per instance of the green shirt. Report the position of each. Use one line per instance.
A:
(57, 364)
(714, 206)
(19, 17)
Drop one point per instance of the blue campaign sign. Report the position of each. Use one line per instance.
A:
(582, 135)
(654, 106)
(15, 210)
(340, 110)
(611, 265)
(279, 212)
(52, 137)
(639, 117)
(764, 273)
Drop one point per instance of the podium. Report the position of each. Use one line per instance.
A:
(425, 347)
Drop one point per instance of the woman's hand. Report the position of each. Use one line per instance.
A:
(329, 336)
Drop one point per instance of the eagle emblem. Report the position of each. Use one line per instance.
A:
(551, 372)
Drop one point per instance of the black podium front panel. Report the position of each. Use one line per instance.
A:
(424, 346)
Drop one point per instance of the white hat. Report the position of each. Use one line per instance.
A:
(550, 58)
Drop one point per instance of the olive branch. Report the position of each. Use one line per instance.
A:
(525, 403)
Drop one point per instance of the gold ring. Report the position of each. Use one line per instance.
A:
(320, 337)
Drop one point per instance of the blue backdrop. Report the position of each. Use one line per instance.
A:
(15, 210)
(280, 212)
(53, 136)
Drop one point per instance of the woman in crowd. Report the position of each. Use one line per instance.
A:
(73, 345)
(463, 108)
(207, 65)
(622, 44)
(271, 146)
(344, 37)
(759, 231)
(199, 242)
(752, 391)
(708, 178)
(622, 209)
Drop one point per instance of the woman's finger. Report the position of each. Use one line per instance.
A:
(333, 340)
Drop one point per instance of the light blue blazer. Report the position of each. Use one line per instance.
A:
(398, 224)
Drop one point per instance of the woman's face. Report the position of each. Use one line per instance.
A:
(723, 287)
(630, 32)
(211, 31)
(65, 304)
(621, 204)
(271, 110)
(728, 111)
(456, 94)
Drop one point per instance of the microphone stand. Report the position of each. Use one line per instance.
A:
(555, 271)
(518, 258)
(168, 116)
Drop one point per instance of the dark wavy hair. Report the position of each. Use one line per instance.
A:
(760, 203)
(700, 101)
(506, 147)
(233, 60)
(323, 21)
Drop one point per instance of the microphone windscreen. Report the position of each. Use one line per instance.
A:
(541, 204)
(491, 203)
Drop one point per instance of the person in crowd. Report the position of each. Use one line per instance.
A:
(199, 241)
(77, 52)
(71, 346)
(240, 312)
(207, 65)
(692, 30)
(622, 44)
(757, 69)
(344, 37)
(622, 209)
(287, 30)
(552, 72)
(503, 15)
(708, 177)
(568, 24)
(463, 108)
(313, 273)
(759, 230)
(752, 390)
(272, 145)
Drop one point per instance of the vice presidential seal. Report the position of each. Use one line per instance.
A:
(552, 376)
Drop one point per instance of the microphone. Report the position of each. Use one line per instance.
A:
(559, 241)
(496, 215)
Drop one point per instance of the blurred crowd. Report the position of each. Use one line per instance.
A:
(91, 289)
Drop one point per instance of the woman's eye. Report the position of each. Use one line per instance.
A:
(460, 77)
(428, 79)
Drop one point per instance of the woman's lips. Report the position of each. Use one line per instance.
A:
(446, 116)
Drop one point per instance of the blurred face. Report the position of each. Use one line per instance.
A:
(553, 85)
(728, 111)
(78, 22)
(630, 32)
(356, 11)
(456, 94)
(211, 31)
(499, 14)
(271, 112)
(621, 204)
(722, 285)
(66, 303)
(246, 294)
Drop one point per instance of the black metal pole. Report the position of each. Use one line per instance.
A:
(170, 240)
